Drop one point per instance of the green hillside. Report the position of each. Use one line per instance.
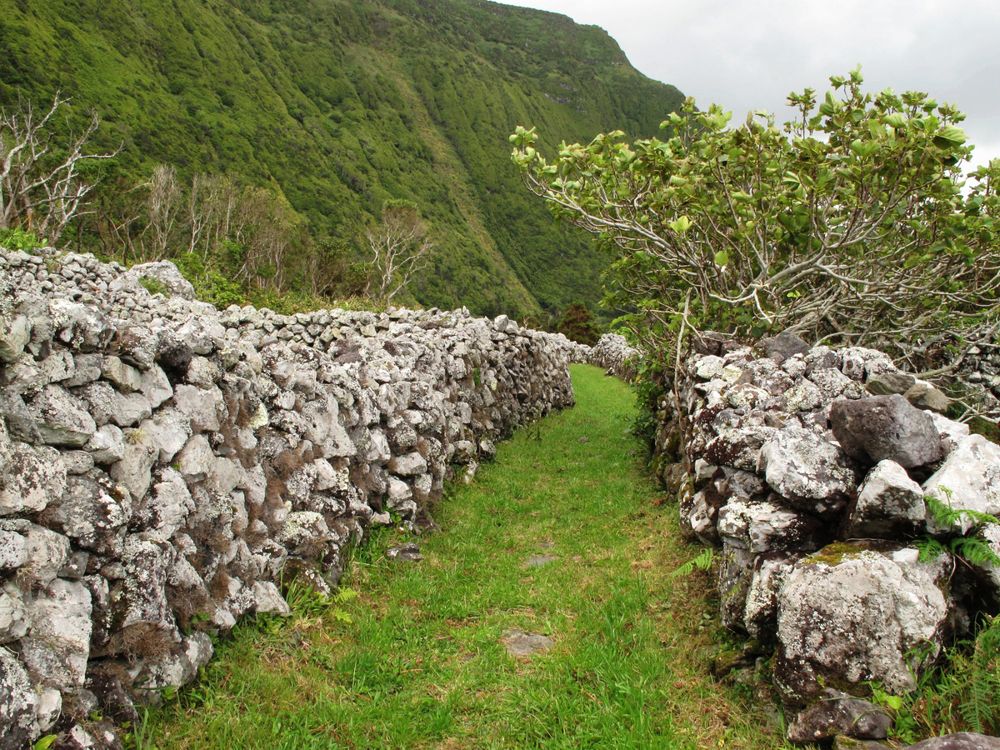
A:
(340, 105)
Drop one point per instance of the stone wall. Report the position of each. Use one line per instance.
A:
(164, 465)
(615, 355)
(808, 468)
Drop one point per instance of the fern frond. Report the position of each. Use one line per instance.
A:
(702, 561)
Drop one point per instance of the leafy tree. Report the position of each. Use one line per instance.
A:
(851, 221)
(578, 324)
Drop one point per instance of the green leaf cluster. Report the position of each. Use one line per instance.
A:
(853, 219)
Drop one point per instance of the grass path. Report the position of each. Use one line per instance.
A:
(415, 659)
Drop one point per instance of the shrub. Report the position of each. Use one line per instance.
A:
(852, 220)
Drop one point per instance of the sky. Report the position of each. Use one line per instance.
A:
(748, 54)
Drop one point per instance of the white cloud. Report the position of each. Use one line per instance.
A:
(749, 54)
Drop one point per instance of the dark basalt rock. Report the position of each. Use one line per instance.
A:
(840, 714)
(786, 344)
(873, 429)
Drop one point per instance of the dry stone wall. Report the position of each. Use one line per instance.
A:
(615, 355)
(809, 468)
(163, 465)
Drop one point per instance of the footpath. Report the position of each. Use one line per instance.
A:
(541, 614)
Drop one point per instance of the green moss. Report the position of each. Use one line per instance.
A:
(834, 554)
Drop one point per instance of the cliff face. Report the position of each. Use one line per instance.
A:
(164, 465)
(339, 105)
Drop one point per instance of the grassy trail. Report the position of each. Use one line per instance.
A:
(415, 658)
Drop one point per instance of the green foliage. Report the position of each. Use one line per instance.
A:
(154, 286)
(849, 218)
(44, 743)
(702, 561)
(19, 239)
(965, 542)
(339, 106)
(578, 324)
(958, 695)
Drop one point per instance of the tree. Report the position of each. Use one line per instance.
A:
(577, 323)
(398, 248)
(41, 186)
(852, 221)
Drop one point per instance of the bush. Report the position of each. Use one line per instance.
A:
(852, 221)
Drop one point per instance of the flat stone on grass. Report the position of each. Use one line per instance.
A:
(538, 561)
(520, 644)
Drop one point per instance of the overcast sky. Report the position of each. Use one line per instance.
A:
(748, 54)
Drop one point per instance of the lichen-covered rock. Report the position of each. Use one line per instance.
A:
(57, 646)
(969, 478)
(166, 464)
(885, 427)
(18, 703)
(959, 741)
(848, 615)
(807, 471)
(890, 505)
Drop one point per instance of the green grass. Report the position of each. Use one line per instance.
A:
(414, 660)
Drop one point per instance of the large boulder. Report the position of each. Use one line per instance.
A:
(885, 427)
(807, 471)
(968, 479)
(890, 505)
(848, 615)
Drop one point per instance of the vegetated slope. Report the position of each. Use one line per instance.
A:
(342, 104)
(563, 536)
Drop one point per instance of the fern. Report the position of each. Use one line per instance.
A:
(702, 561)
(945, 515)
(980, 708)
(969, 546)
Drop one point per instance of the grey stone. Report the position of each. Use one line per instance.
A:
(539, 561)
(14, 336)
(59, 418)
(806, 470)
(409, 552)
(18, 705)
(890, 505)
(848, 615)
(57, 647)
(959, 741)
(786, 344)
(408, 465)
(890, 382)
(521, 644)
(969, 479)
(925, 396)
(885, 427)
(107, 444)
(840, 714)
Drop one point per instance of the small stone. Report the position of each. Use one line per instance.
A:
(840, 714)
(408, 552)
(521, 644)
(889, 383)
(925, 396)
(538, 561)
(786, 344)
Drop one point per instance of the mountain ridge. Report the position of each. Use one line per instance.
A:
(341, 105)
